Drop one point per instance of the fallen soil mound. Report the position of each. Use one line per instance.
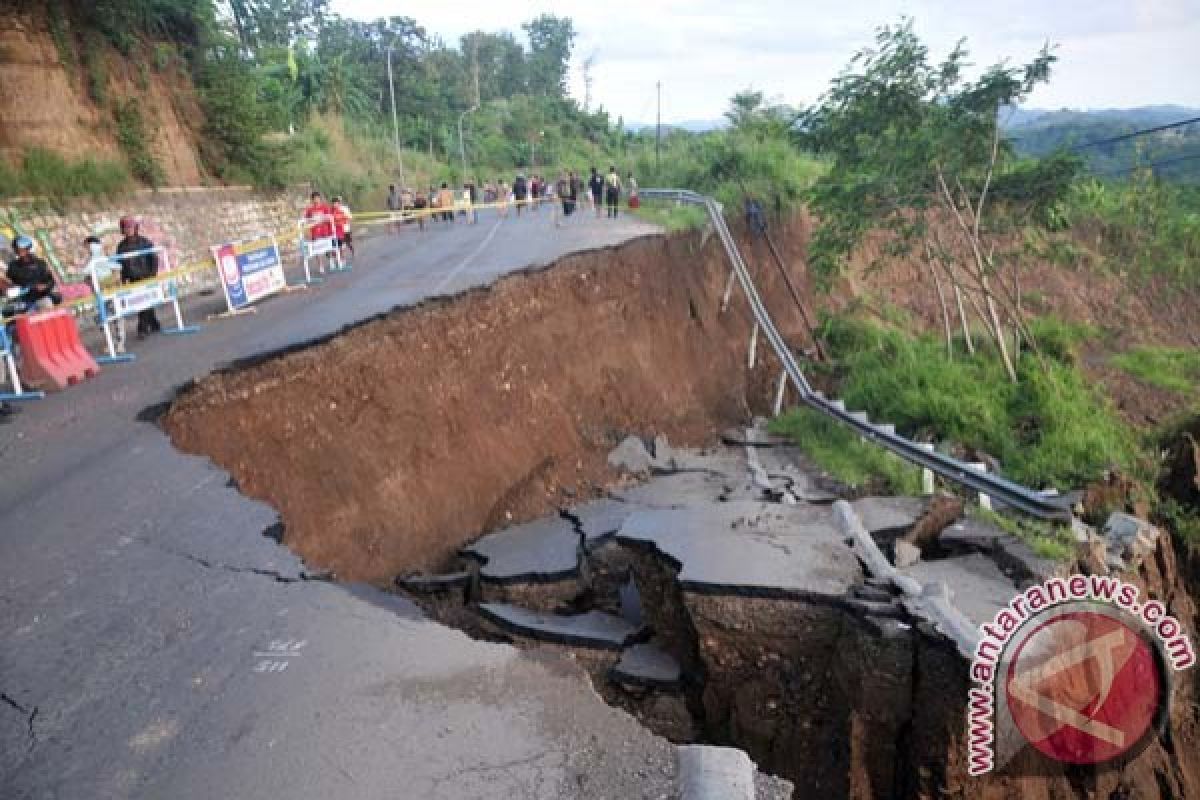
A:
(392, 444)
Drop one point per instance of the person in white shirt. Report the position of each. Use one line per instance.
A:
(100, 269)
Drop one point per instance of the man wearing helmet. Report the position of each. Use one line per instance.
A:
(138, 268)
(32, 274)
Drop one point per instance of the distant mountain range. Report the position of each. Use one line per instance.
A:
(1038, 132)
(1174, 153)
(1015, 119)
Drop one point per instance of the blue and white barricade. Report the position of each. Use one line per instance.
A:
(319, 248)
(104, 311)
(126, 301)
(10, 369)
(249, 269)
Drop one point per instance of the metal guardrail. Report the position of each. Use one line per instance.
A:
(1030, 501)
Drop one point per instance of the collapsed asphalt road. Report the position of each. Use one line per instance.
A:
(157, 644)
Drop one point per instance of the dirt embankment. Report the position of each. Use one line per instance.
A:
(53, 110)
(389, 446)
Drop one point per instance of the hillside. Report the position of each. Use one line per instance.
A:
(1038, 133)
(79, 97)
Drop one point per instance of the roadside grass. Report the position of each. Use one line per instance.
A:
(48, 175)
(671, 217)
(1171, 368)
(1060, 339)
(1047, 540)
(1052, 429)
(844, 455)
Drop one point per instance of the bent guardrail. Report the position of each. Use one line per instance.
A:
(1030, 501)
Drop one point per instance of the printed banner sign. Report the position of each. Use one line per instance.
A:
(250, 270)
(131, 301)
(319, 247)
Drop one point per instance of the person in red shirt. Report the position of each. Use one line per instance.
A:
(322, 215)
(319, 222)
(341, 224)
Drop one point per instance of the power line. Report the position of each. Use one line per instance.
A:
(1135, 134)
(1165, 162)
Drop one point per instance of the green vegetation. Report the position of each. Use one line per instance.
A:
(844, 455)
(671, 217)
(912, 142)
(1050, 430)
(1038, 134)
(43, 173)
(61, 36)
(1143, 225)
(96, 68)
(1047, 540)
(135, 144)
(1183, 521)
(1060, 339)
(1175, 369)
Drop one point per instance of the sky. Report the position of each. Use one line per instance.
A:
(1112, 53)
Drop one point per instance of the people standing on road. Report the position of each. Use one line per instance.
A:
(596, 191)
(563, 190)
(101, 270)
(394, 205)
(612, 192)
(318, 223)
(446, 202)
(140, 263)
(502, 197)
(420, 203)
(341, 226)
(31, 273)
(575, 185)
(521, 191)
(632, 186)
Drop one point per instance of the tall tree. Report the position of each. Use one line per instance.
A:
(913, 143)
(551, 40)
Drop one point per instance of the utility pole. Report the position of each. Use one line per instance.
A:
(462, 150)
(395, 121)
(658, 127)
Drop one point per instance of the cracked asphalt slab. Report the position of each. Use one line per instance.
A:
(158, 642)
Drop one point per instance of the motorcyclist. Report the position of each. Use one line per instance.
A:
(138, 268)
(30, 273)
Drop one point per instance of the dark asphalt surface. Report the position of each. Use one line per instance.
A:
(154, 643)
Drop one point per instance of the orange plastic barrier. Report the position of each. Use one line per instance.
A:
(51, 353)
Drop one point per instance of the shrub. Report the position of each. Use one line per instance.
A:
(135, 144)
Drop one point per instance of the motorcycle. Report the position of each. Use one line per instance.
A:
(17, 300)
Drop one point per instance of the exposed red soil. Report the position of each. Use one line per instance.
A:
(391, 445)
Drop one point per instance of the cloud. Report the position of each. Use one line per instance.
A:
(1112, 53)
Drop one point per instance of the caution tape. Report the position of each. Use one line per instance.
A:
(414, 213)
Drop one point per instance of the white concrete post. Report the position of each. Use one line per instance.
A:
(927, 478)
(985, 502)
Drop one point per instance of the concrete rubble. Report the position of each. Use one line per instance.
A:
(705, 584)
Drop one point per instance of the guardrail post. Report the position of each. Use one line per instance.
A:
(780, 392)
(927, 481)
(985, 502)
(753, 347)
